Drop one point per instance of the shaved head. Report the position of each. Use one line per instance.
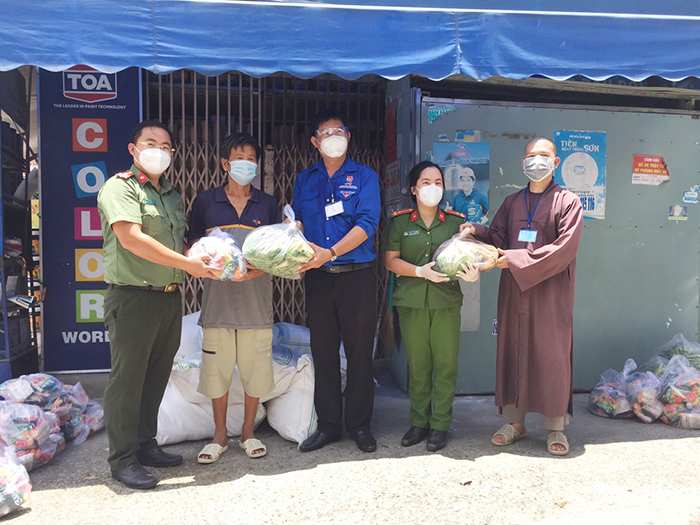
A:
(534, 142)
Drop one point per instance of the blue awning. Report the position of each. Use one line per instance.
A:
(433, 38)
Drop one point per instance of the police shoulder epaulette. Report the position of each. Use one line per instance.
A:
(125, 174)
(460, 215)
(402, 212)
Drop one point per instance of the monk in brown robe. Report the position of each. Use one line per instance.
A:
(537, 231)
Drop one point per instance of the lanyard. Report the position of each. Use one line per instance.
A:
(330, 183)
(531, 215)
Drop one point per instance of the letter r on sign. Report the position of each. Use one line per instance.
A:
(89, 306)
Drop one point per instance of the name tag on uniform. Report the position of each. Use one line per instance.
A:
(411, 234)
(334, 209)
(527, 235)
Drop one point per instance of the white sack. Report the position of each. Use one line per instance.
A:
(180, 421)
(191, 337)
(292, 414)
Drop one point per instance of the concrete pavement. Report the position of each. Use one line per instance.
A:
(618, 472)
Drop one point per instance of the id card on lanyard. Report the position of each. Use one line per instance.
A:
(529, 234)
(335, 208)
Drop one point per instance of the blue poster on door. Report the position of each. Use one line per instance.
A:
(582, 168)
(465, 166)
(85, 123)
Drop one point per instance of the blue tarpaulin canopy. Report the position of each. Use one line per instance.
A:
(433, 38)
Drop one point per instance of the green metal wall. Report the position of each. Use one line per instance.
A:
(637, 272)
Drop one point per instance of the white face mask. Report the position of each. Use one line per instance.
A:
(430, 195)
(538, 167)
(334, 146)
(154, 160)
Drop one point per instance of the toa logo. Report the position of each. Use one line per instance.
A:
(89, 85)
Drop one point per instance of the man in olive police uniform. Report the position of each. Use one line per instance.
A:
(143, 225)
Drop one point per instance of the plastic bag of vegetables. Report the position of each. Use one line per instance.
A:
(462, 248)
(278, 249)
(679, 345)
(224, 252)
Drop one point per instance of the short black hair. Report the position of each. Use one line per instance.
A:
(151, 124)
(238, 140)
(324, 116)
(415, 172)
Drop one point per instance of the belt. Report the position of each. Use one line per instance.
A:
(168, 288)
(340, 268)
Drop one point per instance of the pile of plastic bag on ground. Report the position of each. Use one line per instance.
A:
(40, 414)
(186, 415)
(667, 387)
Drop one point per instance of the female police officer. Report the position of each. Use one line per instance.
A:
(428, 304)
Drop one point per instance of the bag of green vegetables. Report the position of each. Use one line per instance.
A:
(278, 249)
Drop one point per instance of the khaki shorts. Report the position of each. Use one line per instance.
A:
(223, 349)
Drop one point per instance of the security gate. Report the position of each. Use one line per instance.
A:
(276, 110)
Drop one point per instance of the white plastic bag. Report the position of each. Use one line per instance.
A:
(15, 485)
(224, 254)
(462, 248)
(278, 249)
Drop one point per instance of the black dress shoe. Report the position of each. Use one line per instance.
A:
(135, 476)
(365, 441)
(436, 440)
(318, 439)
(157, 457)
(414, 436)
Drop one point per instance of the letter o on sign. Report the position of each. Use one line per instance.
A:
(90, 179)
(90, 265)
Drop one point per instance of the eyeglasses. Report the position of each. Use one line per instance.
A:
(329, 132)
(151, 145)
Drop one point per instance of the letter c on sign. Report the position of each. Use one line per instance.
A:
(83, 135)
(90, 134)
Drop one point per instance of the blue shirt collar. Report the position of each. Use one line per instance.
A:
(349, 166)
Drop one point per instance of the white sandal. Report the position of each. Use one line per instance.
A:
(557, 438)
(213, 450)
(251, 445)
(510, 433)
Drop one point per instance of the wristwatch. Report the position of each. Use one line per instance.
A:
(333, 255)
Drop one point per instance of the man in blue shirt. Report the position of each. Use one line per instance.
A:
(469, 201)
(337, 201)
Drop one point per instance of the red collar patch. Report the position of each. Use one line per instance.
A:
(414, 215)
(441, 216)
(401, 212)
(142, 178)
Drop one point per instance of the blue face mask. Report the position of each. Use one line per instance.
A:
(243, 171)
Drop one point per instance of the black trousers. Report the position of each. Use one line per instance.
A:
(342, 306)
